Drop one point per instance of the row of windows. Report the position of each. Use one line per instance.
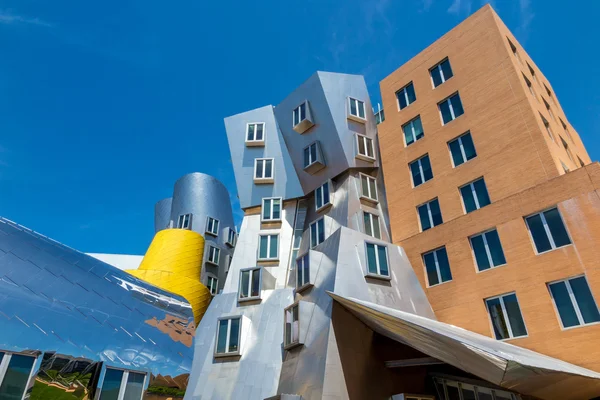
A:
(439, 73)
(184, 221)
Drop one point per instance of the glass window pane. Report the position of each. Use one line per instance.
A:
(364, 185)
(321, 225)
(135, 386)
(259, 132)
(557, 228)
(468, 199)
(371, 259)
(353, 110)
(383, 265)
(480, 255)
(306, 157)
(446, 70)
(267, 209)
(445, 110)
(563, 303)
(457, 106)
(16, 377)
(432, 276)
(418, 127)
(305, 267)
(514, 315)
(313, 235)
(250, 132)
(255, 283)
(296, 116)
(245, 279)
(313, 153)
(361, 109)
(457, 157)
(259, 169)
(436, 213)
(361, 145)
(444, 264)
(376, 228)
(373, 189)
(111, 385)
(468, 146)
(536, 228)
(264, 242)
(410, 92)
(276, 208)
(424, 217)
(482, 194)
(401, 99)
(302, 112)
(426, 165)
(367, 222)
(234, 336)
(326, 193)
(498, 322)
(453, 393)
(274, 251)
(484, 394)
(416, 173)
(369, 147)
(268, 168)
(495, 247)
(585, 300)
(468, 394)
(318, 197)
(408, 134)
(437, 78)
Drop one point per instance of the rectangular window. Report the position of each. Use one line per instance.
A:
(250, 284)
(231, 237)
(212, 284)
(505, 315)
(184, 221)
(322, 197)
(532, 72)
(515, 52)
(474, 195)
(122, 384)
(213, 255)
(312, 154)
(368, 187)
(364, 148)
(292, 326)
(17, 371)
(430, 214)
(268, 248)
(566, 147)
(317, 232)
(487, 250)
(255, 132)
(271, 209)
(372, 227)
(441, 73)
(357, 108)
(406, 96)
(379, 116)
(530, 87)
(547, 126)
(413, 131)
(574, 302)
(212, 226)
(549, 109)
(462, 149)
(263, 169)
(420, 170)
(451, 108)
(302, 271)
(228, 336)
(437, 266)
(300, 113)
(377, 259)
(547, 230)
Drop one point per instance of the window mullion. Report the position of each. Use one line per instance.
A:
(547, 229)
(437, 267)
(487, 251)
(376, 247)
(430, 215)
(505, 315)
(451, 108)
(421, 170)
(4, 365)
(406, 96)
(228, 336)
(123, 386)
(441, 73)
(474, 193)
(462, 150)
(574, 301)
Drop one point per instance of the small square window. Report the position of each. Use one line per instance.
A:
(268, 248)
(292, 326)
(505, 315)
(212, 284)
(231, 237)
(263, 170)
(302, 271)
(212, 226)
(356, 110)
(441, 73)
(474, 195)
(406, 96)
(547, 230)
(487, 250)
(437, 266)
(250, 284)
(302, 118)
(574, 302)
(413, 131)
(420, 170)
(313, 158)
(364, 149)
(322, 196)
(271, 209)
(255, 134)
(377, 260)
(317, 232)
(213, 255)
(371, 223)
(451, 108)
(462, 149)
(368, 186)
(430, 214)
(228, 337)
(184, 221)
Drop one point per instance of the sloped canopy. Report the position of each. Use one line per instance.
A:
(514, 368)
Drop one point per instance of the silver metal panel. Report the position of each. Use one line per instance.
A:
(162, 214)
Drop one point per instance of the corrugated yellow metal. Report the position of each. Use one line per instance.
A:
(173, 262)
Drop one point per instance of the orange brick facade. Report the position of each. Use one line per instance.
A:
(524, 170)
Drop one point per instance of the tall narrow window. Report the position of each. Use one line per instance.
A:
(231, 237)
(364, 149)
(292, 326)
(212, 226)
(377, 259)
(574, 302)
(268, 248)
(301, 118)
(406, 96)
(16, 377)
(515, 52)
(566, 147)
(533, 75)
(372, 227)
(475, 195)
(421, 170)
(530, 87)
(322, 197)
(255, 132)
(368, 187)
(549, 109)
(310, 154)
(581, 163)
(430, 214)
(228, 336)
(212, 284)
(505, 315)
(487, 250)
(263, 169)
(566, 130)
(356, 108)
(547, 230)
(441, 73)
(299, 113)
(451, 108)
(184, 221)
(302, 271)
(271, 209)
(213, 255)
(313, 158)
(317, 232)
(437, 266)
(250, 284)
(462, 149)
(547, 126)
(413, 131)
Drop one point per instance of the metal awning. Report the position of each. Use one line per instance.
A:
(511, 367)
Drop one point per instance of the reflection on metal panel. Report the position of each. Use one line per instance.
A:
(162, 214)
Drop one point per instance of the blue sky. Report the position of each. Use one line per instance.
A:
(103, 105)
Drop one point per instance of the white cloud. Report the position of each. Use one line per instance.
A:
(8, 18)
(525, 18)
(460, 7)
